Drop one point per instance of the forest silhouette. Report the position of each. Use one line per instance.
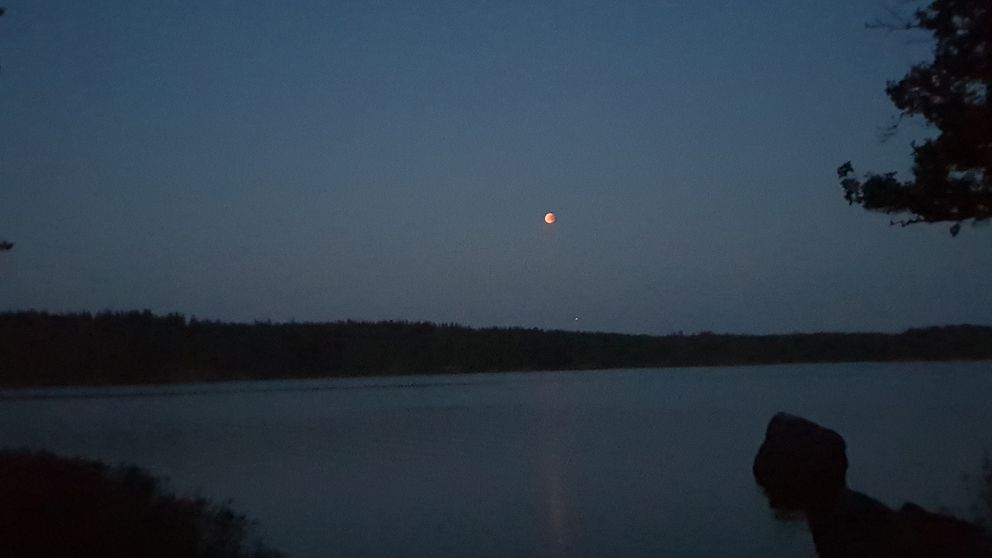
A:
(41, 349)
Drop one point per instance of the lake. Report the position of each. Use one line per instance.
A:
(647, 462)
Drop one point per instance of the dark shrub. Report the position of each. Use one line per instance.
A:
(53, 506)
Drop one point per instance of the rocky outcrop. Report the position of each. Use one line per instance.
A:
(802, 467)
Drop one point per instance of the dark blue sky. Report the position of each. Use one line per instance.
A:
(394, 160)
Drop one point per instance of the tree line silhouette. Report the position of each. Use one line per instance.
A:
(42, 349)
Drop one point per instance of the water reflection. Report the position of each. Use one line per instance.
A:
(554, 504)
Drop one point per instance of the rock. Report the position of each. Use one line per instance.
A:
(801, 465)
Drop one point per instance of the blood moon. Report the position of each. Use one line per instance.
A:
(550, 218)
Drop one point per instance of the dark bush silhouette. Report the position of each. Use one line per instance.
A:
(57, 507)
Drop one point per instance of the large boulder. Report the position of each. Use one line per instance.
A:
(801, 465)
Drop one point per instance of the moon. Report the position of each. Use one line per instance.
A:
(550, 218)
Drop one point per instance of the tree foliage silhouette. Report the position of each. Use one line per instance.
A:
(952, 172)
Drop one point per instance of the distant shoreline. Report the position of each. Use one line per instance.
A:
(41, 350)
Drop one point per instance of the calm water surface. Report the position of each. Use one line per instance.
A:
(621, 463)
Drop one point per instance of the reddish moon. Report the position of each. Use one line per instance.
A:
(550, 218)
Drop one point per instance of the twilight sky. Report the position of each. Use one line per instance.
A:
(370, 160)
